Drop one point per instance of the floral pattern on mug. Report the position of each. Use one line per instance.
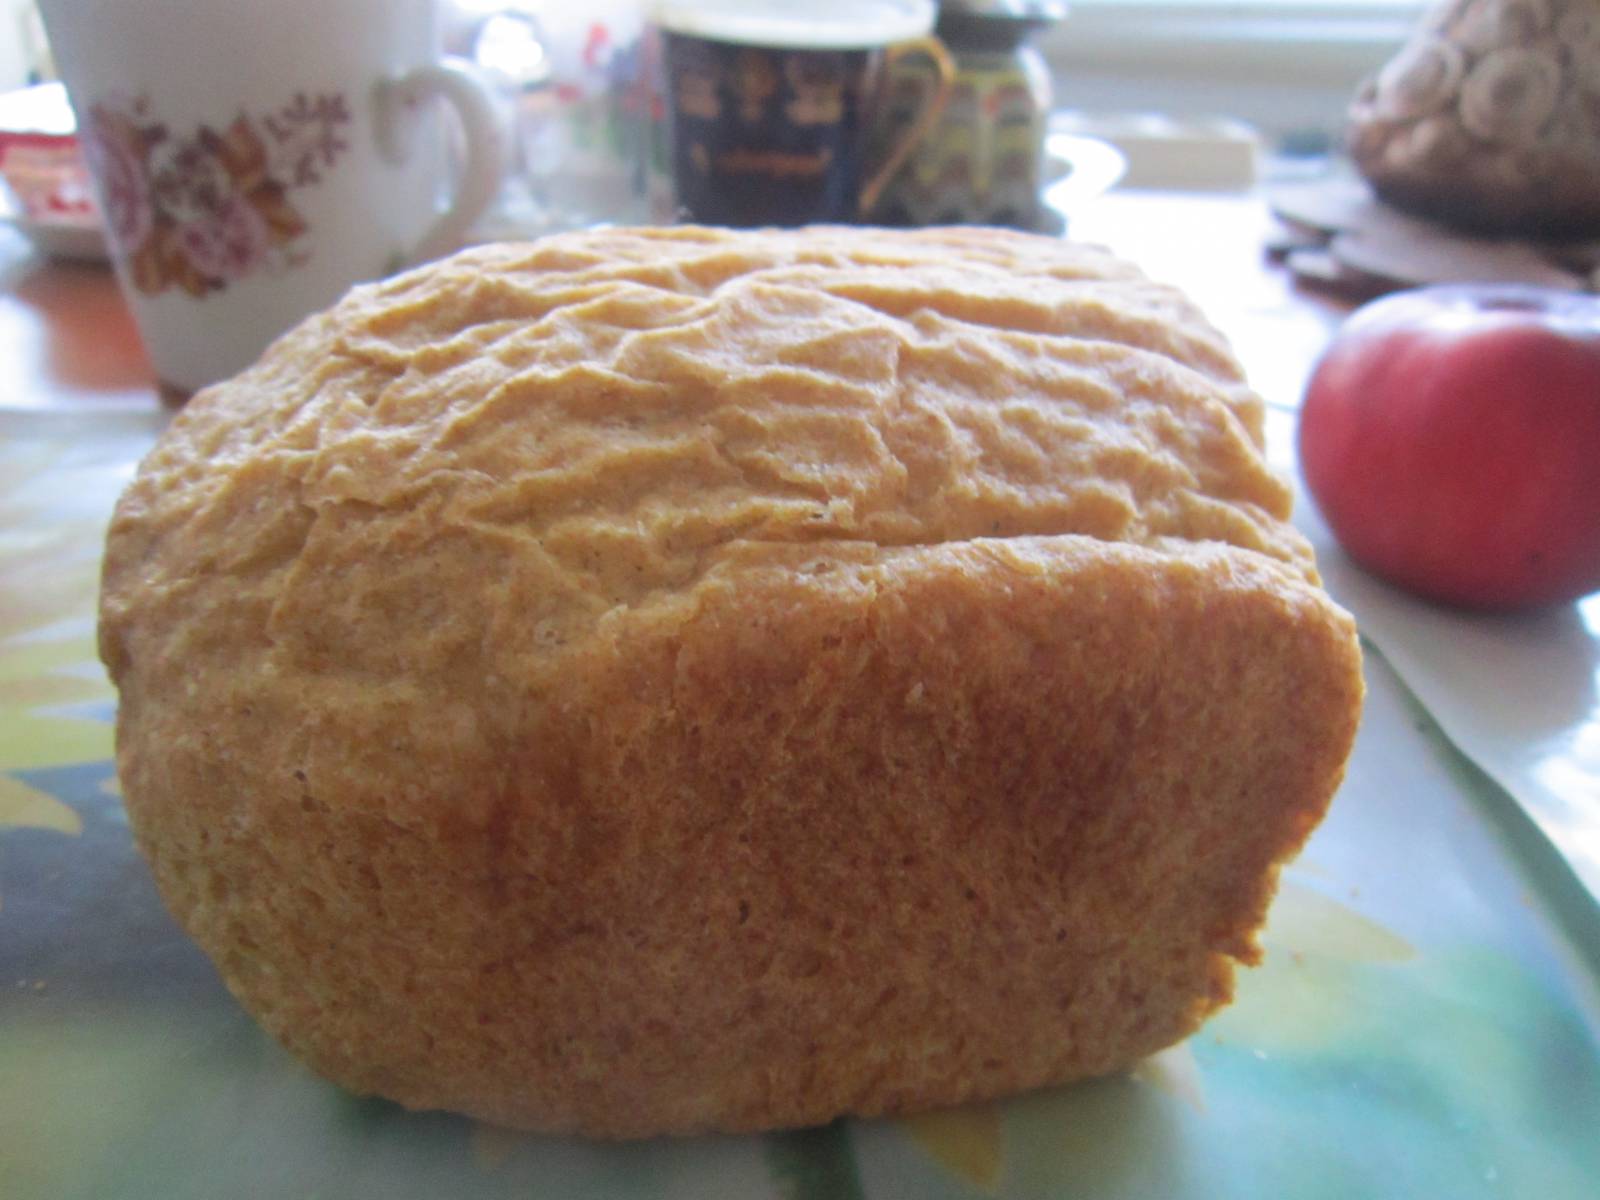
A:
(201, 211)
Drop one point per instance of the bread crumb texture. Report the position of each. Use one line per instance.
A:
(675, 680)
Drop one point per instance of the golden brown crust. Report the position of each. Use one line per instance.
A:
(675, 680)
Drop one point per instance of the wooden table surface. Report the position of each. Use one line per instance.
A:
(67, 341)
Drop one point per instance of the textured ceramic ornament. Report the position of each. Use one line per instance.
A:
(1489, 118)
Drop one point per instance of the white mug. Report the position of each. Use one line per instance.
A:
(254, 158)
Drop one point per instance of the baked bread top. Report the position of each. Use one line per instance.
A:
(612, 418)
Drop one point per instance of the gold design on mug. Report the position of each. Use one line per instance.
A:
(754, 80)
(777, 163)
(817, 81)
(697, 95)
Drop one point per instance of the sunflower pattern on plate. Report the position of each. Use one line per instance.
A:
(55, 701)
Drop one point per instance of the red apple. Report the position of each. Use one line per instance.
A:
(1451, 438)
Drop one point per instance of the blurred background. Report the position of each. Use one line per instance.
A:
(1395, 142)
(1284, 68)
(1288, 67)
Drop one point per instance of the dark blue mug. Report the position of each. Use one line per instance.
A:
(769, 128)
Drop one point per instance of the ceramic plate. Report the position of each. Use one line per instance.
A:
(57, 239)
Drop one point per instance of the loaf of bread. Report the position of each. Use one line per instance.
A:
(674, 680)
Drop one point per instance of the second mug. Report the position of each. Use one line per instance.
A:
(775, 111)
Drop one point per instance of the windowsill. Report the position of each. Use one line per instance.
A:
(1286, 66)
(1259, 21)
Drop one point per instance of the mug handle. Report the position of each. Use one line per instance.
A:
(932, 109)
(455, 81)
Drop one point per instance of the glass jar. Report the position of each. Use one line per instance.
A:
(984, 162)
